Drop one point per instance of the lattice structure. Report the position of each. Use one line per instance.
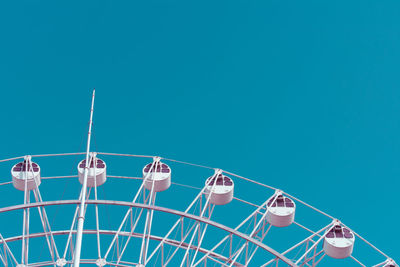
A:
(180, 214)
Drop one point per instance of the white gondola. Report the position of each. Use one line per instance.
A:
(158, 173)
(339, 242)
(187, 240)
(281, 210)
(26, 174)
(221, 188)
(97, 170)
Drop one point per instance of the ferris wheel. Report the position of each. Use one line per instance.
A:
(161, 212)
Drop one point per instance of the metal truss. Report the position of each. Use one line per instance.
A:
(181, 214)
(244, 242)
(312, 255)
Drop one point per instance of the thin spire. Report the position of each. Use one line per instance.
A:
(81, 218)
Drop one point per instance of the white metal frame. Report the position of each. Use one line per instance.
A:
(310, 252)
(183, 245)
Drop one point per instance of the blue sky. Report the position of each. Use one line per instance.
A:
(301, 95)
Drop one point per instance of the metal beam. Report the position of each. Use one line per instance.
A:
(81, 218)
(161, 209)
(171, 242)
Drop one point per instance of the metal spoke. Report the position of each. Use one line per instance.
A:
(96, 210)
(312, 258)
(256, 228)
(147, 226)
(315, 244)
(27, 230)
(192, 236)
(319, 260)
(198, 224)
(218, 258)
(71, 229)
(183, 238)
(7, 249)
(3, 260)
(49, 243)
(47, 222)
(256, 248)
(24, 223)
(253, 214)
(359, 262)
(301, 243)
(140, 190)
(133, 227)
(201, 166)
(199, 245)
(198, 197)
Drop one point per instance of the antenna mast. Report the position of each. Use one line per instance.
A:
(81, 218)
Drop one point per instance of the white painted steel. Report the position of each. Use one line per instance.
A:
(222, 192)
(339, 246)
(218, 190)
(279, 213)
(97, 175)
(157, 180)
(390, 263)
(161, 209)
(81, 218)
(314, 260)
(173, 242)
(29, 178)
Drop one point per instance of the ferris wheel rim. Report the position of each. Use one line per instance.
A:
(186, 163)
(156, 208)
(172, 242)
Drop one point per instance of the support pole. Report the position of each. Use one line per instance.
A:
(81, 218)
